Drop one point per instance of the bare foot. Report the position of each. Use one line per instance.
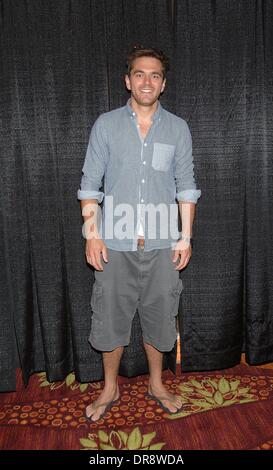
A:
(97, 409)
(172, 403)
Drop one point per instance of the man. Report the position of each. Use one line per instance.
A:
(144, 154)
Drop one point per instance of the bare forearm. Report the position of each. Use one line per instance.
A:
(89, 208)
(187, 213)
(94, 244)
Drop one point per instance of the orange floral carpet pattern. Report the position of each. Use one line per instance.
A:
(227, 409)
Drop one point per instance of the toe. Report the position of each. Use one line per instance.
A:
(96, 416)
(170, 405)
(94, 413)
(89, 411)
(174, 404)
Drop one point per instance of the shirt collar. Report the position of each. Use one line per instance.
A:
(156, 115)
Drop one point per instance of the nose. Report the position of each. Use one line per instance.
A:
(147, 79)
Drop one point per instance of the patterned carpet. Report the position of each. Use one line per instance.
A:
(227, 409)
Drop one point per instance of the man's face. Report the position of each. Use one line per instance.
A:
(146, 80)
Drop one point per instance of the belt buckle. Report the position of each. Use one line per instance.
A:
(141, 243)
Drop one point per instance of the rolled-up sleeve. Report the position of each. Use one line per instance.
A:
(95, 163)
(184, 168)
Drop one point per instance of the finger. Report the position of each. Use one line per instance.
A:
(182, 264)
(182, 259)
(175, 256)
(105, 254)
(98, 260)
(93, 260)
(88, 258)
(180, 256)
(89, 261)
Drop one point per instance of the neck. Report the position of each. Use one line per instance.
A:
(144, 112)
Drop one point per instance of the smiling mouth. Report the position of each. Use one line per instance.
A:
(146, 91)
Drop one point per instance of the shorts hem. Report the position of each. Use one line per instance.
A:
(106, 348)
(159, 347)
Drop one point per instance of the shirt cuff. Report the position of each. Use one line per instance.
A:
(83, 194)
(189, 195)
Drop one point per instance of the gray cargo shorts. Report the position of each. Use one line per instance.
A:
(131, 280)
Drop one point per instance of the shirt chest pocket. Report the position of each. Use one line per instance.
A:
(162, 156)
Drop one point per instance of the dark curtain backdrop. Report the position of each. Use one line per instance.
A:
(62, 64)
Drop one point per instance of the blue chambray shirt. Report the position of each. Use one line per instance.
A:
(138, 172)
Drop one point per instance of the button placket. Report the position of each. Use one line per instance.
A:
(142, 184)
(143, 166)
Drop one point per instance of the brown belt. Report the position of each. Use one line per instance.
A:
(141, 241)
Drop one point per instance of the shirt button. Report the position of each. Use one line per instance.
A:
(133, 114)
(142, 181)
(144, 163)
(145, 145)
(141, 200)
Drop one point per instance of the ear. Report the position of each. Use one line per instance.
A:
(127, 82)
(163, 85)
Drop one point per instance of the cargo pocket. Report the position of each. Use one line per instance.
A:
(175, 293)
(96, 305)
(162, 156)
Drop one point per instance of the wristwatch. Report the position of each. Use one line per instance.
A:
(186, 239)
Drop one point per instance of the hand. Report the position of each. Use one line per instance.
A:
(183, 251)
(93, 250)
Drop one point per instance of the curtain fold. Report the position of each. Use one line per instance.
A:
(259, 184)
(224, 86)
(62, 64)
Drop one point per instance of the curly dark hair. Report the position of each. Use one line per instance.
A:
(141, 51)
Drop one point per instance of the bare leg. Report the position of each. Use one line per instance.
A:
(156, 387)
(110, 392)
